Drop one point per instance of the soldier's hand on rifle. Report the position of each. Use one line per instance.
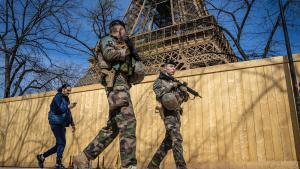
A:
(183, 88)
(186, 97)
(174, 84)
(128, 41)
(126, 38)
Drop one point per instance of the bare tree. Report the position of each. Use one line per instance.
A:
(101, 16)
(28, 36)
(250, 25)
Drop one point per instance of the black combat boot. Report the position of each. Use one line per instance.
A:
(41, 160)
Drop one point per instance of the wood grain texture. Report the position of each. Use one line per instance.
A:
(244, 120)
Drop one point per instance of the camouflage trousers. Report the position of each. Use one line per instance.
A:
(172, 140)
(121, 121)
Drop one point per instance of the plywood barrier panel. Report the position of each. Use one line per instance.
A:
(246, 119)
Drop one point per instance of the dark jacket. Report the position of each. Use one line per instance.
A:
(59, 113)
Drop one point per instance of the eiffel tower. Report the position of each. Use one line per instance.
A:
(179, 29)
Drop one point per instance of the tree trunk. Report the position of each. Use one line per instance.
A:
(7, 84)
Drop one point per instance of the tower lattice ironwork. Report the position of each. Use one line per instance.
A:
(179, 29)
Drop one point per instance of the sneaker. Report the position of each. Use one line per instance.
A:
(41, 160)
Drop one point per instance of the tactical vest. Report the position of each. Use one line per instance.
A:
(107, 69)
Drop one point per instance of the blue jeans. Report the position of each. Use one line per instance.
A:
(60, 137)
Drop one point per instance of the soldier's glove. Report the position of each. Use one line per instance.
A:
(186, 97)
(132, 49)
(128, 41)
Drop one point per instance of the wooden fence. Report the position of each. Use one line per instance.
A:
(246, 119)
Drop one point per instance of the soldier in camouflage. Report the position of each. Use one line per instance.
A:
(121, 118)
(166, 91)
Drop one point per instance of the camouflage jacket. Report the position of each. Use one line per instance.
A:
(162, 86)
(112, 52)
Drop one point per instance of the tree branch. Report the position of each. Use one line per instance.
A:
(271, 35)
(246, 16)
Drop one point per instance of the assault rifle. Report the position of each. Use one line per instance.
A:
(190, 90)
(132, 49)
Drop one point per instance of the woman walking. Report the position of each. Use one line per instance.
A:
(59, 118)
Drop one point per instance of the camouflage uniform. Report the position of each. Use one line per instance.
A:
(173, 139)
(121, 116)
